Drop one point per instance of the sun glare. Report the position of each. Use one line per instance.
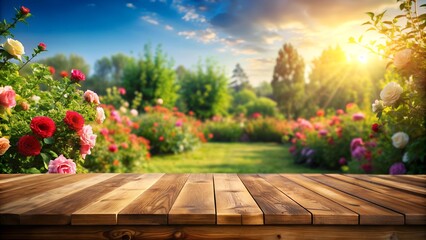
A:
(362, 58)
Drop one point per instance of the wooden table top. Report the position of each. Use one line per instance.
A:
(212, 199)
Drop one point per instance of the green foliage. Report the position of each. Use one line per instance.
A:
(266, 129)
(262, 105)
(239, 79)
(224, 131)
(288, 81)
(113, 97)
(169, 132)
(264, 90)
(205, 91)
(63, 63)
(153, 76)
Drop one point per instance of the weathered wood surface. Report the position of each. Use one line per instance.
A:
(212, 206)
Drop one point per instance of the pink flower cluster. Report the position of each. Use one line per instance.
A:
(7, 97)
(62, 165)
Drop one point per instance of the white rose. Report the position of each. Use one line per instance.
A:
(160, 101)
(35, 98)
(377, 106)
(100, 115)
(123, 109)
(134, 112)
(400, 139)
(14, 48)
(391, 93)
(402, 58)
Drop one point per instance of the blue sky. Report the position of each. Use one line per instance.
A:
(249, 32)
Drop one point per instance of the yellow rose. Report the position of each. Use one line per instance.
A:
(14, 48)
(391, 93)
(4, 145)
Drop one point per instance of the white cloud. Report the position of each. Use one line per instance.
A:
(130, 5)
(191, 15)
(168, 27)
(204, 36)
(150, 20)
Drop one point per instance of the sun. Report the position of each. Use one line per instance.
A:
(362, 58)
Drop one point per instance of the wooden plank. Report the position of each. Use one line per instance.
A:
(10, 211)
(420, 179)
(402, 186)
(38, 189)
(319, 232)
(30, 181)
(12, 177)
(402, 179)
(153, 206)
(234, 204)
(391, 192)
(276, 206)
(105, 209)
(369, 214)
(195, 203)
(414, 214)
(59, 212)
(323, 210)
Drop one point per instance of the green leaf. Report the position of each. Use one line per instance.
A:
(366, 23)
(55, 155)
(401, 6)
(46, 159)
(360, 39)
(352, 40)
(371, 14)
(50, 140)
(423, 5)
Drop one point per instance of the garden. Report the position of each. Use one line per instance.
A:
(145, 115)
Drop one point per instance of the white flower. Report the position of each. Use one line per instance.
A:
(14, 48)
(100, 115)
(160, 101)
(35, 98)
(391, 93)
(377, 106)
(402, 58)
(134, 112)
(400, 139)
(405, 157)
(123, 109)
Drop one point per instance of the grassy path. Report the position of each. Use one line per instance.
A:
(229, 158)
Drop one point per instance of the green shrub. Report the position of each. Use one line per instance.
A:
(266, 129)
(224, 131)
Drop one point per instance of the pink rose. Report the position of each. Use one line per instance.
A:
(122, 91)
(87, 140)
(91, 97)
(358, 116)
(100, 115)
(402, 58)
(77, 75)
(62, 165)
(4, 145)
(7, 97)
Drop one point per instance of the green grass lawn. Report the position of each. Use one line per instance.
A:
(229, 158)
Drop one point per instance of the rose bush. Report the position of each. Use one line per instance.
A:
(45, 123)
(401, 109)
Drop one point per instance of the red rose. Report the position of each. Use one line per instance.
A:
(41, 46)
(52, 70)
(320, 113)
(29, 146)
(161, 138)
(375, 127)
(64, 74)
(24, 10)
(77, 75)
(74, 120)
(113, 148)
(43, 127)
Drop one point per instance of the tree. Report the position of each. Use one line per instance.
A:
(205, 90)
(288, 81)
(239, 79)
(334, 82)
(264, 90)
(153, 76)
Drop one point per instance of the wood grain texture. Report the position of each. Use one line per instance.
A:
(276, 206)
(323, 210)
(369, 214)
(406, 187)
(234, 204)
(414, 214)
(104, 211)
(195, 203)
(59, 212)
(391, 192)
(24, 182)
(152, 207)
(13, 177)
(10, 211)
(412, 180)
(266, 232)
